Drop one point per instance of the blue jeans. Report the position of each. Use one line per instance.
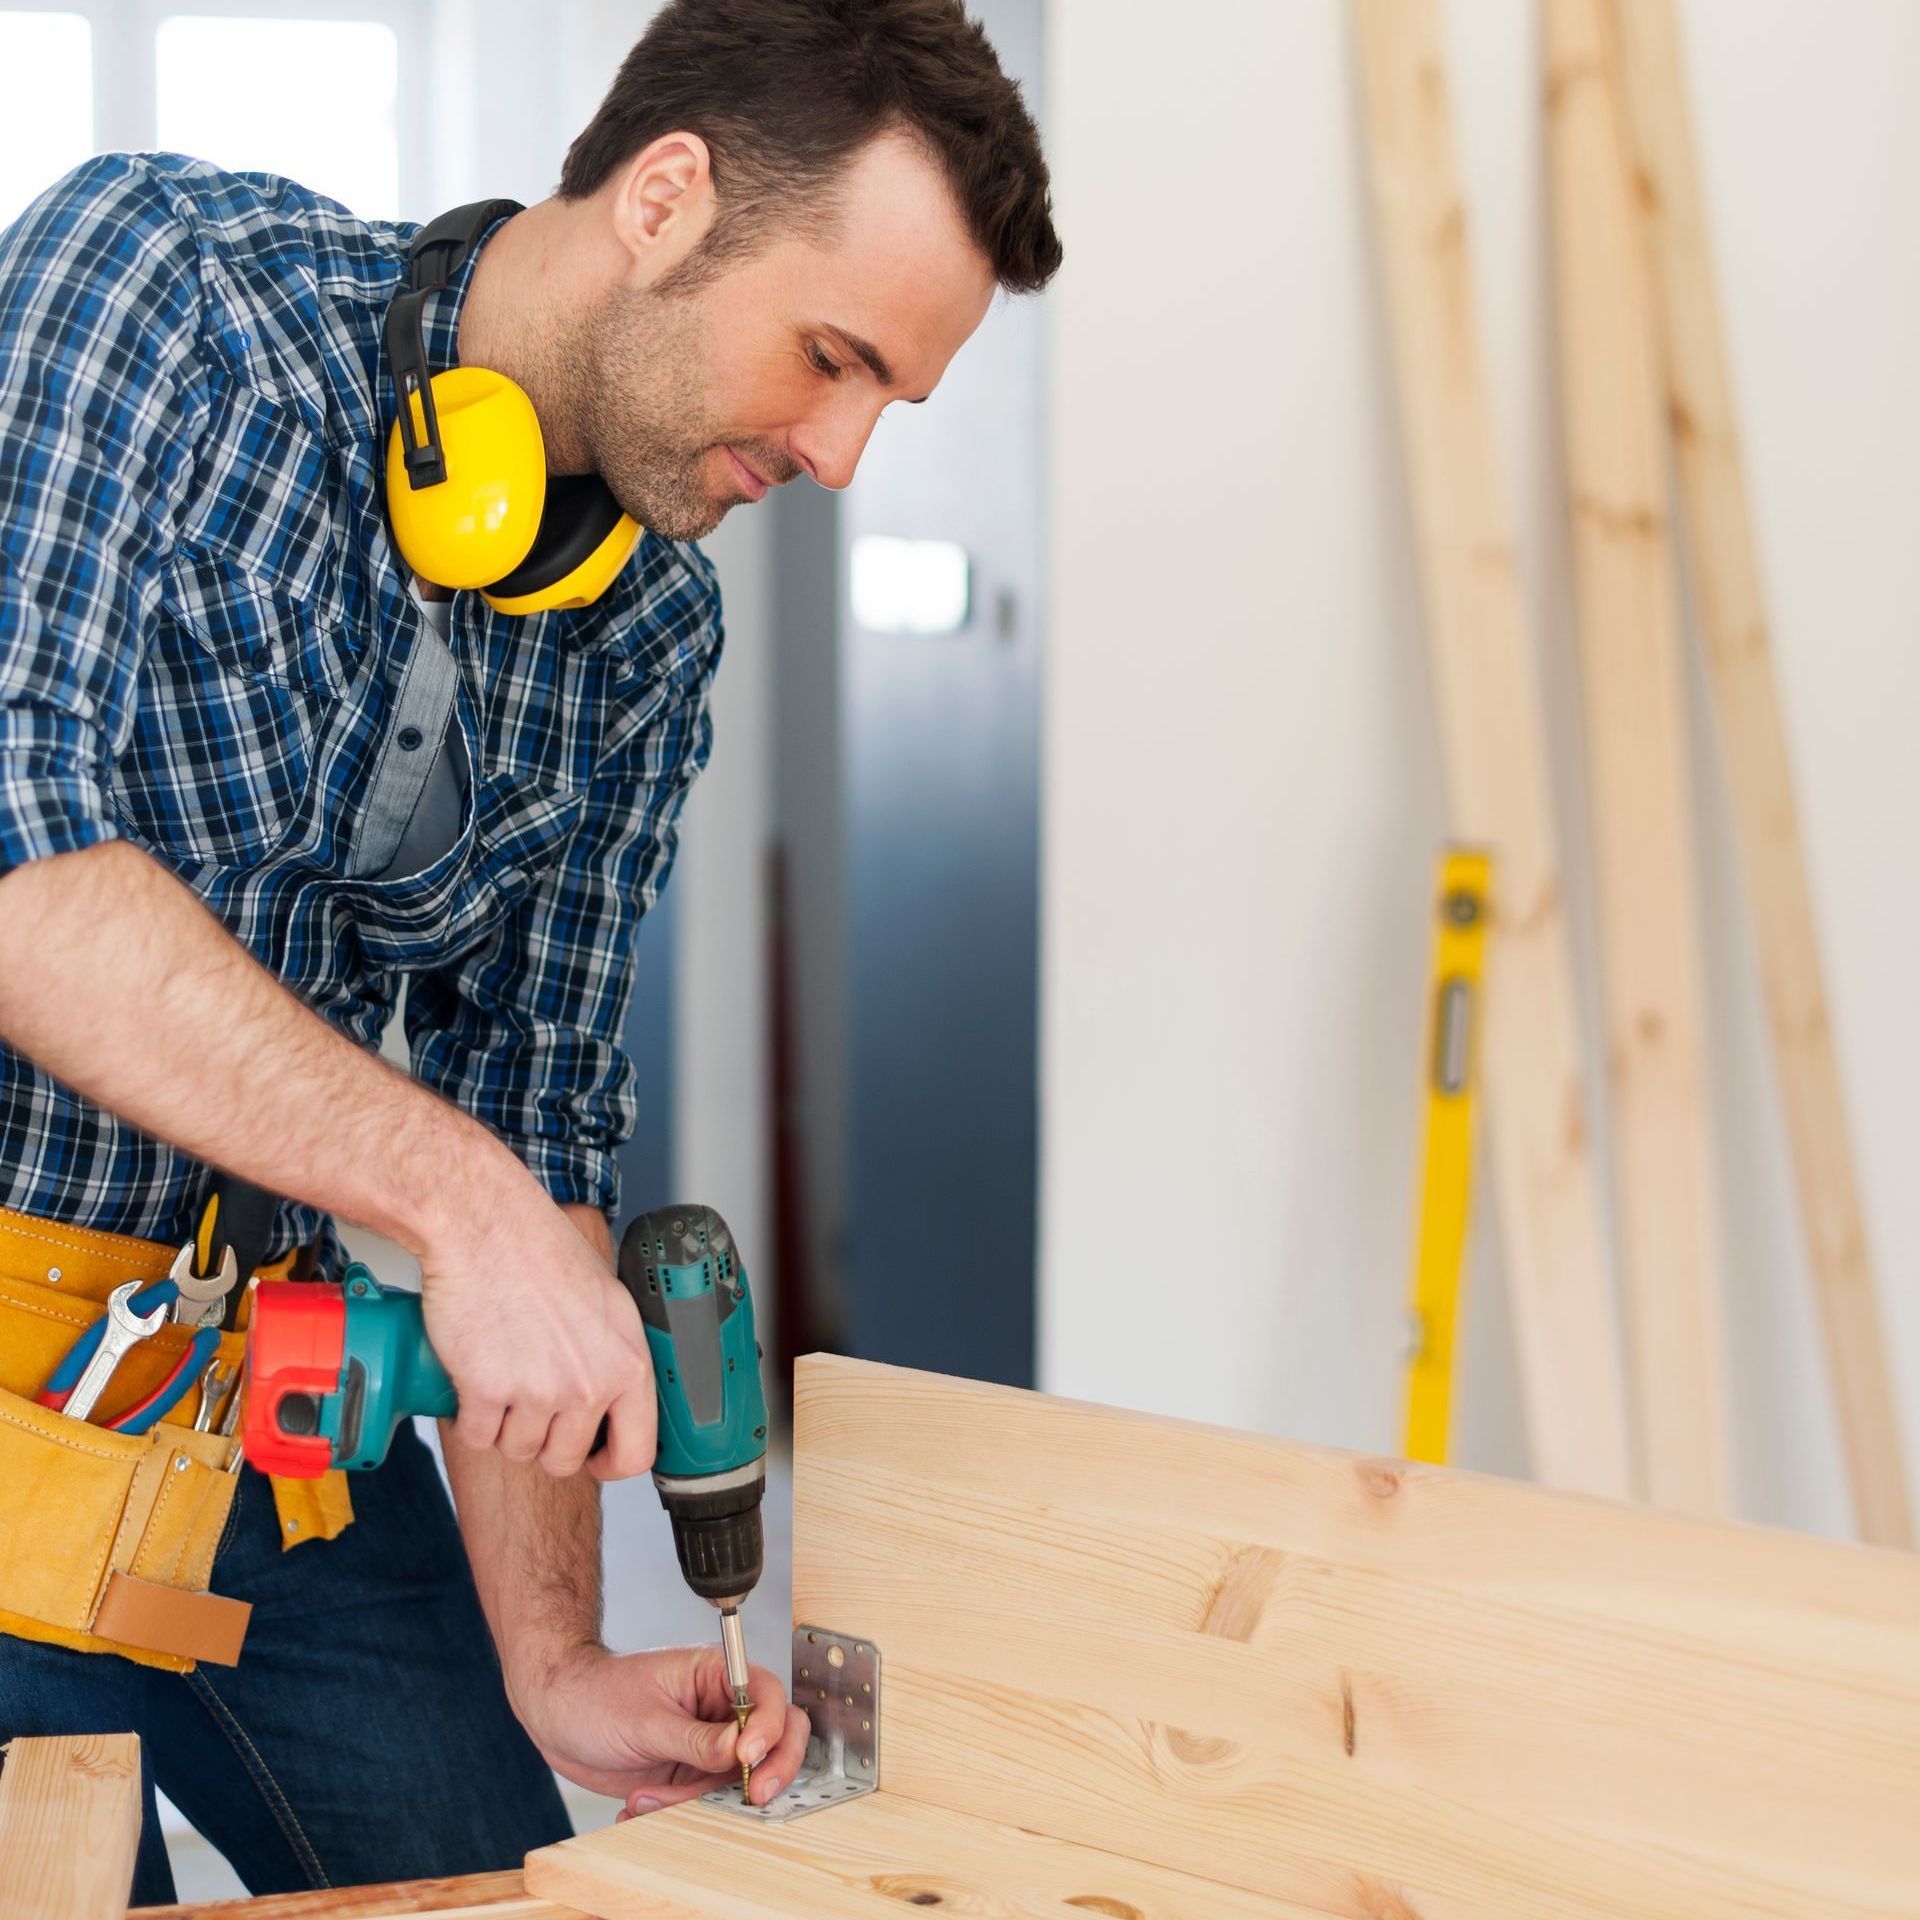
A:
(365, 1734)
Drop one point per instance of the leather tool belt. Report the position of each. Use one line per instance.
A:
(107, 1540)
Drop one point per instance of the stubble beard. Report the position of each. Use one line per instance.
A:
(645, 422)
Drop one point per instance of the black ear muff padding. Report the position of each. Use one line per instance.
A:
(579, 513)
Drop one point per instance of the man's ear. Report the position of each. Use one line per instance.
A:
(663, 203)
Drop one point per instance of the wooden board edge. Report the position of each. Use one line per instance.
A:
(69, 1826)
(471, 1896)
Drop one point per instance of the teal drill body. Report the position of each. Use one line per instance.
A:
(694, 1302)
(392, 1373)
(698, 1316)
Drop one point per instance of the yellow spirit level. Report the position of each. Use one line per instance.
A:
(1446, 1177)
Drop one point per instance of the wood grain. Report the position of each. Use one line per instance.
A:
(1722, 554)
(1493, 744)
(1341, 1680)
(872, 1859)
(489, 1896)
(69, 1826)
(1628, 619)
(1332, 1683)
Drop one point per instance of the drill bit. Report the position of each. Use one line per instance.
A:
(733, 1648)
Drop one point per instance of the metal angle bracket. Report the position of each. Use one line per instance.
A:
(836, 1678)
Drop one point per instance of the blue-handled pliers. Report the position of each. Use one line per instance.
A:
(168, 1394)
(141, 1304)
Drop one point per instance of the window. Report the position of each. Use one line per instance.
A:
(46, 66)
(307, 88)
(317, 100)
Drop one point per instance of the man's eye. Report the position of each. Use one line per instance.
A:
(820, 362)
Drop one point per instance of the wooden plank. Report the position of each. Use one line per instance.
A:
(1628, 617)
(490, 1896)
(872, 1859)
(69, 1826)
(1491, 732)
(1335, 1684)
(1725, 566)
(1335, 1680)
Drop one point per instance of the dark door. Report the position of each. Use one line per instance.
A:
(940, 761)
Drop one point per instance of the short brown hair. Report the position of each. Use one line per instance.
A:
(786, 92)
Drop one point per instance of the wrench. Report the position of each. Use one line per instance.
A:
(125, 1329)
(202, 1301)
(213, 1386)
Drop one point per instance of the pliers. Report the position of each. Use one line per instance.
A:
(173, 1389)
(133, 1312)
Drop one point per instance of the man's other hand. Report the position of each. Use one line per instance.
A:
(656, 1728)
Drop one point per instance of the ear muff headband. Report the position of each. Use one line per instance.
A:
(438, 252)
(468, 497)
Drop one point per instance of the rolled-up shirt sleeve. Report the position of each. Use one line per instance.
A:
(99, 319)
(526, 1031)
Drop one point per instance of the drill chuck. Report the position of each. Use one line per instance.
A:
(716, 1530)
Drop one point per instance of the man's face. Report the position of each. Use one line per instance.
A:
(781, 362)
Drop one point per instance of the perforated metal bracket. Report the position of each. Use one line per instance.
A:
(836, 1678)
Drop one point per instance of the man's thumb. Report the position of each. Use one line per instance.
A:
(706, 1744)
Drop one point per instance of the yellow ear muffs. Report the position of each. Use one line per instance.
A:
(479, 524)
(585, 540)
(469, 500)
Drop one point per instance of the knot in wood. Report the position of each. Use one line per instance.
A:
(1378, 1480)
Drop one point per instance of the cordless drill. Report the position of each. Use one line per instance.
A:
(333, 1369)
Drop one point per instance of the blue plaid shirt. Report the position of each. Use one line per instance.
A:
(205, 641)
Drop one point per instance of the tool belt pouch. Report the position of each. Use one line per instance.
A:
(107, 1540)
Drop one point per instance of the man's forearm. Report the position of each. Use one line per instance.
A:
(533, 1541)
(117, 980)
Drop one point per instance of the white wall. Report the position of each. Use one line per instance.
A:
(1242, 783)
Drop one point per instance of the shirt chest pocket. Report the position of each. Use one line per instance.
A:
(254, 578)
(250, 662)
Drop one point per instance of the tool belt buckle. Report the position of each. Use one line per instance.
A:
(203, 1298)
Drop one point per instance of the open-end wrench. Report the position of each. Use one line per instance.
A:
(125, 1329)
(213, 1386)
(203, 1300)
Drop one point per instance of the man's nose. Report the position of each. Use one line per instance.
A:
(829, 445)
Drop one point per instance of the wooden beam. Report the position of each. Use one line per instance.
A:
(1492, 736)
(1628, 618)
(472, 1896)
(873, 1859)
(69, 1826)
(1725, 566)
(1318, 1678)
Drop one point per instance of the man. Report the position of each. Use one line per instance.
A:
(226, 837)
